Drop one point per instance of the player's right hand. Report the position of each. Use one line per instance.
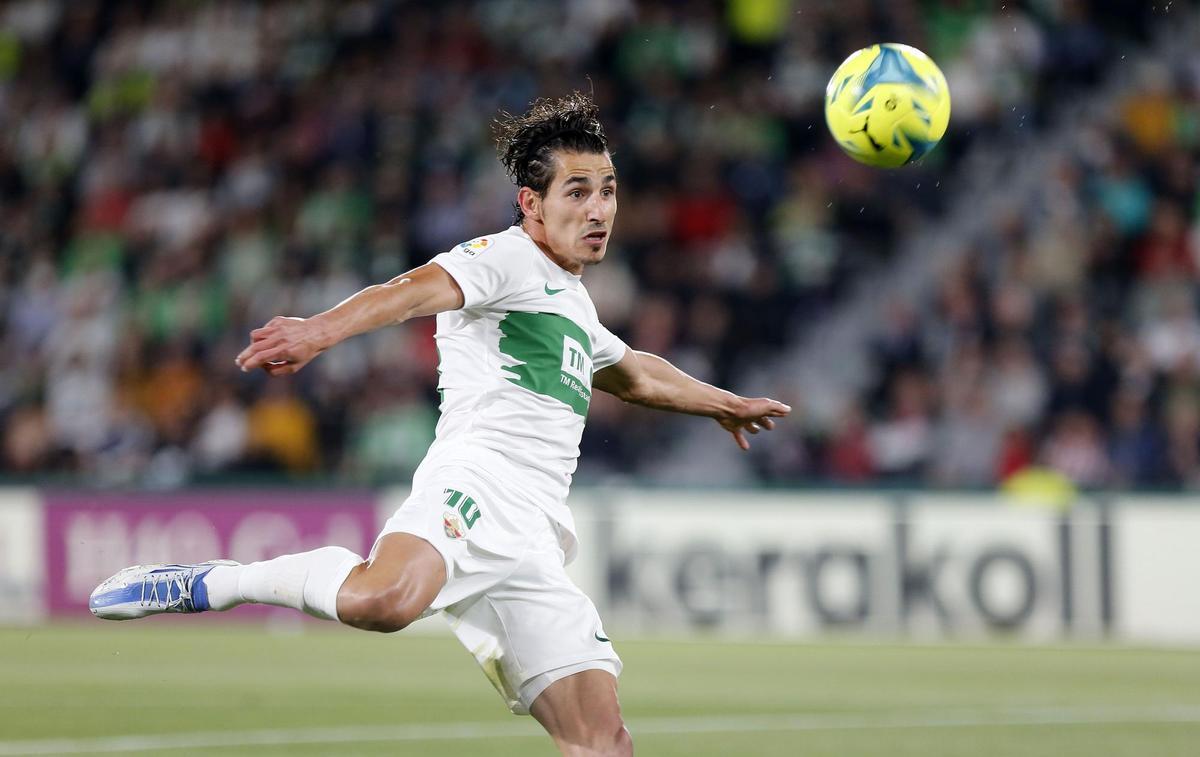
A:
(281, 347)
(753, 416)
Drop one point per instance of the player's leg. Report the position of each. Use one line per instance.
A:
(582, 715)
(390, 591)
(307, 581)
(385, 593)
(541, 643)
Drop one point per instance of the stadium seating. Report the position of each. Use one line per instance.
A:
(172, 175)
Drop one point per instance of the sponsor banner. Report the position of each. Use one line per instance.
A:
(925, 565)
(970, 564)
(1156, 553)
(725, 561)
(21, 557)
(88, 537)
(805, 564)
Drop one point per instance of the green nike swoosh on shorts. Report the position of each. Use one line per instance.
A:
(553, 291)
(601, 638)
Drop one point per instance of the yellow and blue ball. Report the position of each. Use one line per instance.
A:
(887, 105)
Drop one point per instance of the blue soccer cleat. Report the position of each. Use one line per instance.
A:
(153, 589)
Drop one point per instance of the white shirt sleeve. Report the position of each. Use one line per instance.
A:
(487, 270)
(607, 350)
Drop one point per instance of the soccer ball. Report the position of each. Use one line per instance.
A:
(887, 105)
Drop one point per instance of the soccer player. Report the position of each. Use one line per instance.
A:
(486, 532)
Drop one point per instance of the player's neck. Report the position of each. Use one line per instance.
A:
(537, 233)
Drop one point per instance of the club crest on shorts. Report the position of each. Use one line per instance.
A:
(459, 504)
(453, 525)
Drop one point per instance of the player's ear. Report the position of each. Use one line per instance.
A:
(530, 202)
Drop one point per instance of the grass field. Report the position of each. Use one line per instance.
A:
(154, 688)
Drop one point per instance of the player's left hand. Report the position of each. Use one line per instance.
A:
(753, 416)
(283, 346)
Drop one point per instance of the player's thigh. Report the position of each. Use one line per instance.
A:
(478, 534)
(581, 711)
(405, 572)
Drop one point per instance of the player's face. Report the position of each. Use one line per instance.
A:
(578, 209)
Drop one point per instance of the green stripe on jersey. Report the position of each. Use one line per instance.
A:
(554, 355)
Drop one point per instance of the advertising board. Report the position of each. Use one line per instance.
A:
(802, 564)
(1156, 551)
(21, 556)
(925, 566)
(88, 537)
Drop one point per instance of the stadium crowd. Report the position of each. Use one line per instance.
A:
(1068, 336)
(173, 174)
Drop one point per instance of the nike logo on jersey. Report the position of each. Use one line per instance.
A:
(553, 291)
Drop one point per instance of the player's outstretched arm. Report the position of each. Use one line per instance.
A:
(285, 345)
(645, 379)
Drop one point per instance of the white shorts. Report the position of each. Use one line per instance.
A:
(507, 596)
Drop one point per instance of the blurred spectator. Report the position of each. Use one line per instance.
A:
(900, 443)
(1017, 452)
(1073, 384)
(967, 442)
(28, 442)
(848, 453)
(1016, 384)
(1074, 449)
(1181, 417)
(224, 433)
(1172, 339)
(1135, 448)
(1164, 252)
(283, 434)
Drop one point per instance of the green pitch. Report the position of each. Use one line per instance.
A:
(171, 688)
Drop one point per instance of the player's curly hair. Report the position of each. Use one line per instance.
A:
(527, 143)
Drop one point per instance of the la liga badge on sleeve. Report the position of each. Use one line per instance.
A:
(475, 246)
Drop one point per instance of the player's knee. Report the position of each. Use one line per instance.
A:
(609, 739)
(385, 612)
(609, 742)
(622, 744)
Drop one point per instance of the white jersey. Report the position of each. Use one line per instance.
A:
(516, 365)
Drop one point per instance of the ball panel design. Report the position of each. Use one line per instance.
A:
(887, 105)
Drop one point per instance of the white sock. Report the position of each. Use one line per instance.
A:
(308, 582)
